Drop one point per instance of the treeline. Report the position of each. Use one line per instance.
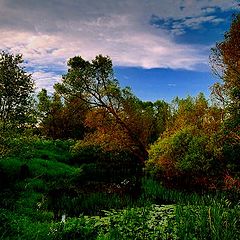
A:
(188, 141)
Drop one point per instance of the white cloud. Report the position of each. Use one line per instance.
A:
(49, 32)
(195, 22)
(45, 80)
(180, 27)
(136, 49)
(172, 84)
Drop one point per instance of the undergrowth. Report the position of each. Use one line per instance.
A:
(44, 196)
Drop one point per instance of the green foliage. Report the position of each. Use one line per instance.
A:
(37, 159)
(101, 165)
(209, 216)
(162, 115)
(75, 228)
(18, 226)
(44, 102)
(156, 192)
(83, 76)
(156, 222)
(50, 169)
(28, 209)
(59, 119)
(150, 222)
(185, 152)
(85, 153)
(94, 83)
(16, 88)
(225, 64)
(207, 222)
(192, 145)
(197, 158)
(58, 150)
(86, 203)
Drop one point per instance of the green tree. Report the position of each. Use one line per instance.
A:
(225, 62)
(162, 116)
(94, 83)
(190, 147)
(44, 102)
(60, 119)
(16, 88)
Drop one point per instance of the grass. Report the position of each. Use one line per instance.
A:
(211, 216)
(90, 204)
(207, 222)
(156, 192)
(32, 204)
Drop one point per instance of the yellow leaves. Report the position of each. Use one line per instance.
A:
(225, 58)
(108, 133)
(167, 164)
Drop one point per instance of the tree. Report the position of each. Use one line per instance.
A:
(191, 146)
(44, 102)
(94, 83)
(162, 117)
(113, 136)
(16, 88)
(60, 119)
(225, 62)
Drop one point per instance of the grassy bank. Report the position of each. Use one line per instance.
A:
(44, 195)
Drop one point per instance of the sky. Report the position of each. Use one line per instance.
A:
(160, 48)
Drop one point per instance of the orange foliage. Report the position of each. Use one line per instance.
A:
(114, 135)
(231, 182)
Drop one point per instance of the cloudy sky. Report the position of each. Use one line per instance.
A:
(159, 48)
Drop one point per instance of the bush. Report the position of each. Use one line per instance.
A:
(104, 165)
(85, 153)
(186, 153)
(75, 228)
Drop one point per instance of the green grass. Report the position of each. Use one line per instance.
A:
(156, 192)
(209, 216)
(207, 222)
(53, 150)
(89, 204)
(28, 210)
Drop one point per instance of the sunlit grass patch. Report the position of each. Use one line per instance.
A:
(50, 169)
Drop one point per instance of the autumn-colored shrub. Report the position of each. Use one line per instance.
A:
(187, 153)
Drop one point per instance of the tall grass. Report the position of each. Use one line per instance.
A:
(155, 192)
(88, 204)
(215, 222)
(210, 216)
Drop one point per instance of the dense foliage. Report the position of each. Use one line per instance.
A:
(16, 88)
(225, 63)
(191, 147)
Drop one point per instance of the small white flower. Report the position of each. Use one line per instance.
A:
(63, 218)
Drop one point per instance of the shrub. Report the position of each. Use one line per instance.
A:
(104, 165)
(186, 153)
(85, 153)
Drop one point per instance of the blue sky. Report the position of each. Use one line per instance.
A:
(159, 48)
(165, 84)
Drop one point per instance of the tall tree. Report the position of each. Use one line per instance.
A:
(225, 61)
(94, 83)
(162, 117)
(190, 146)
(114, 136)
(60, 119)
(44, 102)
(16, 88)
